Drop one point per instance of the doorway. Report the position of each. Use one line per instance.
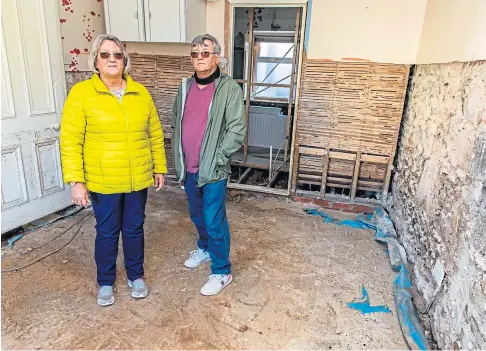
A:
(33, 92)
(266, 48)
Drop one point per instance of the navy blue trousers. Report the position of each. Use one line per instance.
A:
(114, 213)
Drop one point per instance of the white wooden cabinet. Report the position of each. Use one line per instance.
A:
(157, 21)
(125, 19)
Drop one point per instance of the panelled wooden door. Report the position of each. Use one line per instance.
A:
(33, 92)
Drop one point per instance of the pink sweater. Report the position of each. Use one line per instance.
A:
(194, 123)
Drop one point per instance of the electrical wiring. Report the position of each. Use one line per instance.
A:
(82, 221)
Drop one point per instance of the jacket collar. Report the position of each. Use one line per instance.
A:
(223, 77)
(102, 88)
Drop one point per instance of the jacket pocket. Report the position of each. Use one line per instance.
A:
(221, 172)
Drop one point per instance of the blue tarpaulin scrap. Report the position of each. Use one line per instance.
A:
(363, 304)
(385, 233)
(12, 240)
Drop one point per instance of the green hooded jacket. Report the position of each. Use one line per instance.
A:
(224, 134)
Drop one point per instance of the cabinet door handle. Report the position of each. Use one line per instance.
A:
(136, 14)
(150, 15)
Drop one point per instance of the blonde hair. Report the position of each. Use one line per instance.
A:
(96, 49)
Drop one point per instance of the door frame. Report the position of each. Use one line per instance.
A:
(229, 22)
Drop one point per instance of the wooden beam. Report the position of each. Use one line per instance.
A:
(374, 159)
(295, 167)
(311, 151)
(355, 176)
(254, 165)
(258, 189)
(227, 29)
(325, 166)
(311, 176)
(292, 82)
(248, 63)
(292, 141)
(343, 155)
(339, 180)
(370, 184)
(387, 179)
(244, 175)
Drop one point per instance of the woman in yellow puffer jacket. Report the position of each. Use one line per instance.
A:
(112, 151)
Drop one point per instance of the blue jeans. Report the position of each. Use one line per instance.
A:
(115, 213)
(208, 213)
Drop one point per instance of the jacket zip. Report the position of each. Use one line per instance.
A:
(129, 151)
(128, 136)
(181, 153)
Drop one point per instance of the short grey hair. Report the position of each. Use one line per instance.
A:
(96, 49)
(199, 40)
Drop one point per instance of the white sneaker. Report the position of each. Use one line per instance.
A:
(216, 283)
(196, 258)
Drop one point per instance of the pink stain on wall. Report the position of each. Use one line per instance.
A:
(67, 5)
(84, 19)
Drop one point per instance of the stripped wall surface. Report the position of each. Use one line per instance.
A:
(161, 75)
(439, 198)
(352, 111)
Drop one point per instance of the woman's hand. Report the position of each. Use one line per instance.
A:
(159, 181)
(79, 194)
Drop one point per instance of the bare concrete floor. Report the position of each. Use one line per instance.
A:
(293, 275)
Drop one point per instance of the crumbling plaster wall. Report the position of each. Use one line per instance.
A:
(439, 197)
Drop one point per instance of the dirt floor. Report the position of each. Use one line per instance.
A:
(293, 275)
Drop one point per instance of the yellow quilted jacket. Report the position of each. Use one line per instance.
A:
(113, 147)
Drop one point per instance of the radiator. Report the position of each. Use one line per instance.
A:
(266, 127)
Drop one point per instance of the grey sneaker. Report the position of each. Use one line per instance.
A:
(139, 289)
(105, 296)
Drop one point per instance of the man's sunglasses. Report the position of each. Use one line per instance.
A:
(204, 54)
(116, 55)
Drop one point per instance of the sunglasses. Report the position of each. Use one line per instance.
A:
(116, 55)
(204, 54)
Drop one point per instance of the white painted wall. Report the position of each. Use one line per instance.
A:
(372, 30)
(454, 30)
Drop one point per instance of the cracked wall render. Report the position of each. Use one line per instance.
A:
(439, 197)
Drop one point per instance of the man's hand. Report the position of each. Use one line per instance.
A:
(159, 181)
(79, 194)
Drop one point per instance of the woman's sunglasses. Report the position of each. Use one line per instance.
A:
(116, 55)
(204, 54)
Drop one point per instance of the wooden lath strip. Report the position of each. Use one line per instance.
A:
(355, 177)
(325, 166)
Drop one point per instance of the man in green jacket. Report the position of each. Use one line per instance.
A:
(208, 127)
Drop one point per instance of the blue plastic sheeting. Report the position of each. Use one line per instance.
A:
(363, 304)
(385, 233)
(329, 219)
(12, 240)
